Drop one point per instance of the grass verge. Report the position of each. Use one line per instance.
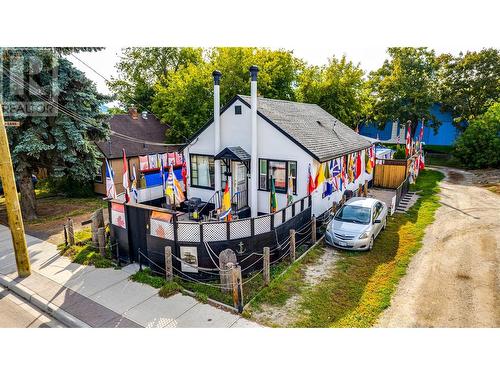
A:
(83, 252)
(361, 284)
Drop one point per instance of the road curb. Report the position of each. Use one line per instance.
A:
(40, 302)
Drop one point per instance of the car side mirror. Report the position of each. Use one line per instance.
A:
(377, 221)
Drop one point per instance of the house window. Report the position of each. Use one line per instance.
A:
(237, 109)
(98, 177)
(202, 171)
(280, 171)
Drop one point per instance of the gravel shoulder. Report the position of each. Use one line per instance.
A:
(454, 280)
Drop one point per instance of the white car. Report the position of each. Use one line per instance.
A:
(356, 225)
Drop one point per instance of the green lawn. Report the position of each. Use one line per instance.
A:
(361, 284)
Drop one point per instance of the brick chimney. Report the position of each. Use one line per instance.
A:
(132, 111)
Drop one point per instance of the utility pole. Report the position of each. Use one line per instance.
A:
(14, 216)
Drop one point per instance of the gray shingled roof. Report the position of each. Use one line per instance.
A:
(233, 153)
(311, 127)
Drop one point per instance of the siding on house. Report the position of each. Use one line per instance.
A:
(446, 134)
(271, 144)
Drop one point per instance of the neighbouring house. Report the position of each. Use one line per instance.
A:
(144, 126)
(253, 138)
(445, 135)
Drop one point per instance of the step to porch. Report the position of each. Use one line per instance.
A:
(407, 202)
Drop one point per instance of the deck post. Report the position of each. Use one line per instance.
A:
(265, 269)
(292, 245)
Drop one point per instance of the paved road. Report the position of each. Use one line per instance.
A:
(454, 280)
(17, 313)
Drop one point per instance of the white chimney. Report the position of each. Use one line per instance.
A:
(253, 165)
(217, 75)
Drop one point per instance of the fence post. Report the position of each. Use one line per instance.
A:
(101, 241)
(292, 245)
(97, 222)
(71, 232)
(169, 275)
(265, 269)
(226, 259)
(313, 229)
(237, 287)
(65, 236)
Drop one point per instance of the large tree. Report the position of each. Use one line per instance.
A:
(185, 99)
(140, 68)
(405, 87)
(338, 87)
(470, 83)
(479, 145)
(58, 139)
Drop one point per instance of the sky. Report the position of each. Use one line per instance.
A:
(370, 58)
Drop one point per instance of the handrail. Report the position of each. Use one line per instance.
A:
(217, 192)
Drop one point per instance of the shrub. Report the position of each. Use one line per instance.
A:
(70, 188)
(479, 144)
(400, 153)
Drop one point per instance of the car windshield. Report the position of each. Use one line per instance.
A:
(354, 214)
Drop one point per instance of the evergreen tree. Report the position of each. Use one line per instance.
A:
(51, 139)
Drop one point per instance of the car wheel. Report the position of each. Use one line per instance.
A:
(370, 246)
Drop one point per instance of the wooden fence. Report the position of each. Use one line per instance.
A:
(390, 173)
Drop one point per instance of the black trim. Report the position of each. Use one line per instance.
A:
(253, 72)
(217, 75)
(191, 172)
(286, 175)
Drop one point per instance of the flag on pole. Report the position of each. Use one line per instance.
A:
(328, 181)
(335, 167)
(226, 204)
(134, 185)
(273, 202)
(358, 164)
(421, 135)
(125, 179)
(320, 177)
(162, 176)
(169, 190)
(110, 182)
(184, 172)
(310, 182)
(368, 161)
(289, 195)
(408, 141)
(343, 176)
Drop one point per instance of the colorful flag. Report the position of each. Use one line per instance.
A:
(169, 190)
(134, 185)
(320, 177)
(110, 182)
(125, 179)
(368, 162)
(350, 168)
(343, 177)
(184, 173)
(289, 195)
(408, 141)
(143, 163)
(226, 204)
(310, 182)
(421, 135)
(328, 181)
(273, 202)
(162, 175)
(358, 165)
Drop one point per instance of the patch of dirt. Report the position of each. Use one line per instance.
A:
(454, 280)
(455, 177)
(485, 176)
(52, 230)
(284, 316)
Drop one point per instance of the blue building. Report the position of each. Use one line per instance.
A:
(446, 134)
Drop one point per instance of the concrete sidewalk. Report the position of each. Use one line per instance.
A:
(105, 297)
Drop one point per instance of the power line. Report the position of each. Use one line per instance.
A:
(20, 81)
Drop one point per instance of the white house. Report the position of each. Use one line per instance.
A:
(251, 138)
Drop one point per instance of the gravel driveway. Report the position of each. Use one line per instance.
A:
(454, 280)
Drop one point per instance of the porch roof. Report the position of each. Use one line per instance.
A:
(235, 153)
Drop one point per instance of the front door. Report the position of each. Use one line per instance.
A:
(240, 184)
